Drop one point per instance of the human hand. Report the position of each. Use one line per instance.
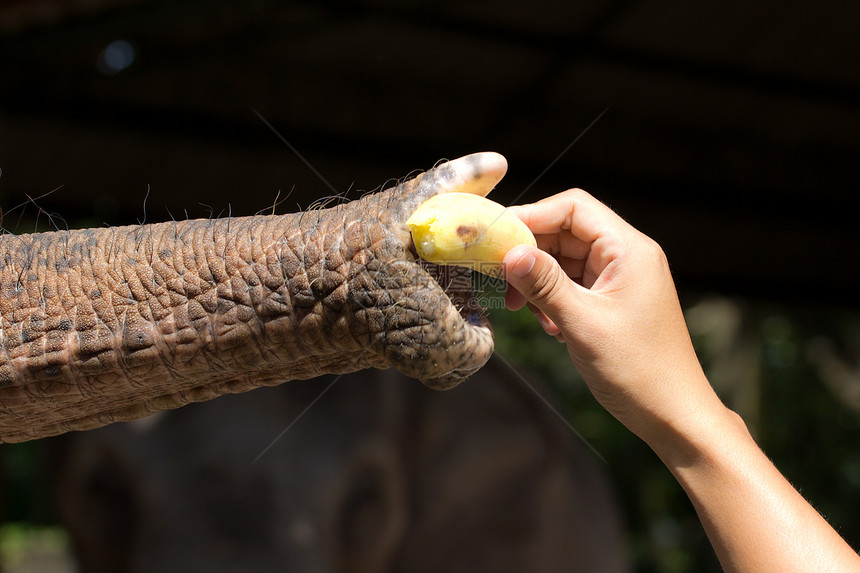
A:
(605, 290)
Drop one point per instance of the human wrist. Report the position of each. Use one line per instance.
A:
(701, 430)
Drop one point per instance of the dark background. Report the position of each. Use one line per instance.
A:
(729, 132)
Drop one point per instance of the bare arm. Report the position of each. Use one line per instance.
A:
(605, 289)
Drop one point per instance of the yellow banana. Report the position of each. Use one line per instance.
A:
(466, 230)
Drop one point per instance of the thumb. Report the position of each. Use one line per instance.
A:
(540, 280)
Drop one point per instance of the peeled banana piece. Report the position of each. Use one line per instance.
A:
(466, 230)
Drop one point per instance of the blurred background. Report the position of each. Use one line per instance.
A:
(729, 132)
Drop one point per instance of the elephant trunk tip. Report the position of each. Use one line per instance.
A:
(477, 173)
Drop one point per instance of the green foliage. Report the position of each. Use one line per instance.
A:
(22, 542)
(664, 532)
(760, 359)
(785, 370)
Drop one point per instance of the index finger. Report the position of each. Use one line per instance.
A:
(563, 244)
(573, 210)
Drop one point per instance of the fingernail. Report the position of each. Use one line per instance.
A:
(524, 265)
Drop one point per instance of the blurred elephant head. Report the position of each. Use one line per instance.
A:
(377, 474)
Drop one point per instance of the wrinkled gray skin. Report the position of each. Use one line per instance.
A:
(100, 325)
(380, 475)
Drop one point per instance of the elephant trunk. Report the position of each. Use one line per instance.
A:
(101, 325)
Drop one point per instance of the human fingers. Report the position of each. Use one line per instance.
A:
(546, 322)
(573, 210)
(573, 268)
(563, 244)
(537, 277)
(514, 299)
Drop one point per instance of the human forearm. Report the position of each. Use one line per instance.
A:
(606, 290)
(755, 519)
